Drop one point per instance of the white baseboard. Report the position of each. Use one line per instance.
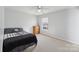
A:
(52, 35)
(58, 37)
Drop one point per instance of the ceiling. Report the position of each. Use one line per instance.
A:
(33, 9)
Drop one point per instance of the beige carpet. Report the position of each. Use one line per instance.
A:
(48, 44)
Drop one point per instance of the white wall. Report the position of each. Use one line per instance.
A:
(1, 26)
(56, 23)
(73, 25)
(63, 24)
(15, 18)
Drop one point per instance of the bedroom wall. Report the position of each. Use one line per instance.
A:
(56, 23)
(1, 26)
(63, 24)
(73, 25)
(15, 18)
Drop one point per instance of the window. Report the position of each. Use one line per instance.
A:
(45, 24)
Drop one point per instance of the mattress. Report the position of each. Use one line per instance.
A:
(18, 41)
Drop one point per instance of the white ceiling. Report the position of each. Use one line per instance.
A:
(33, 9)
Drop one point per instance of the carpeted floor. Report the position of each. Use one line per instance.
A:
(48, 44)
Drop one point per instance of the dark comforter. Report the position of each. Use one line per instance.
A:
(25, 40)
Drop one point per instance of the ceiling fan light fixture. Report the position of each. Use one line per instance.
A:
(39, 10)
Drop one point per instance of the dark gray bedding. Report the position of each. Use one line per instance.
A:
(14, 39)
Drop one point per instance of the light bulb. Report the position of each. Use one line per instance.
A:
(39, 10)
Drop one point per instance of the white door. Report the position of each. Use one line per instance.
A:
(1, 26)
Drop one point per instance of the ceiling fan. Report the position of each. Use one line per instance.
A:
(39, 8)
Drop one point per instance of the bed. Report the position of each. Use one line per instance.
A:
(17, 40)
